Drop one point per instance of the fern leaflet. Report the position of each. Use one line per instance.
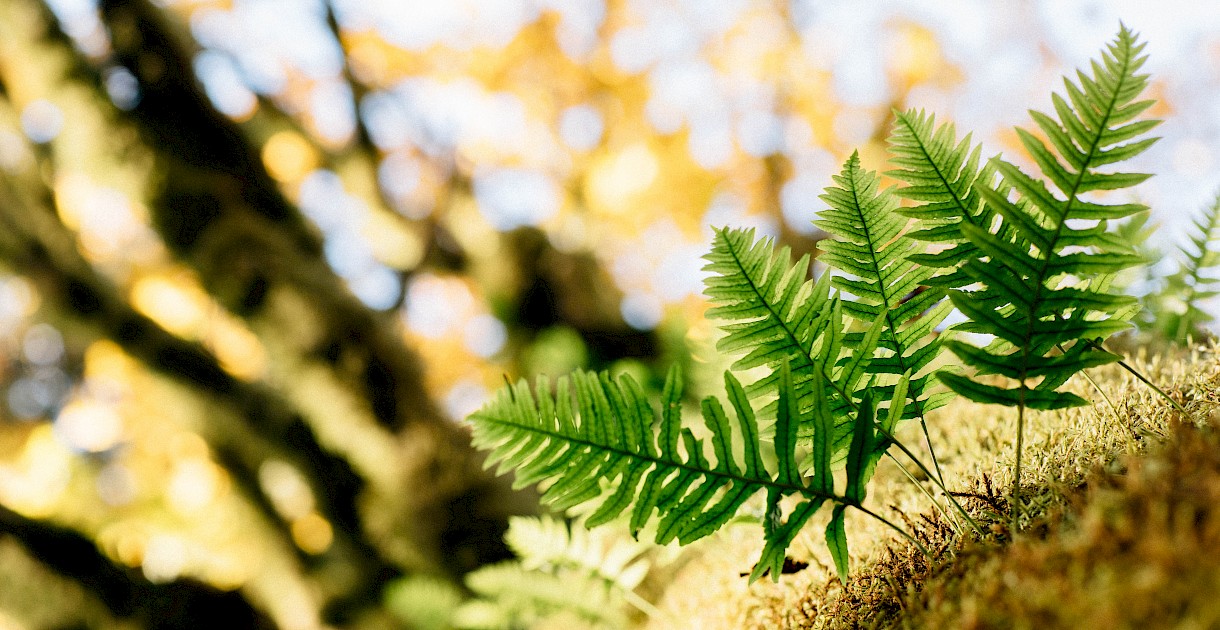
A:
(544, 543)
(771, 305)
(780, 317)
(510, 595)
(942, 176)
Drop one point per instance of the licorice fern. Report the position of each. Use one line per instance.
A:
(562, 569)
(1046, 260)
(546, 542)
(511, 596)
(885, 283)
(1031, 265)
(940, 174)
(771, 307)
(778, 316)
(598, 440)
(1195, 281)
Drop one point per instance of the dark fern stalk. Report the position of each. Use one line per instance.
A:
(1046, 260)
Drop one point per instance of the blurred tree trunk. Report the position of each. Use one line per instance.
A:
(218, 210)
(178, 605)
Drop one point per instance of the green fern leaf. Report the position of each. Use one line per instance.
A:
(595, 440)
(546, 543)
(771, 305)
(1045, 265)
(886, 284)
(1195, 281)
(605, 432)
(510, 595)
(941, 175)
(778, 316)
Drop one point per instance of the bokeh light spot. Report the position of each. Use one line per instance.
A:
(485, 335)
(581, 127)
(642, 311)
(90, 426)
(312, 533)
(288, 156)
(41, 121)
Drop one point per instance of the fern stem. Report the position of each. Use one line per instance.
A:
(923, 423)
(1136, 374)
(923, 468)
(645, 606)
(1016, 482)
(1109, 403)
(1113, 408)
(928, 493)
(1096, 345)
(891, 525)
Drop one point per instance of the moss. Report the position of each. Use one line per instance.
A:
(1122, 517)
(1135, 548)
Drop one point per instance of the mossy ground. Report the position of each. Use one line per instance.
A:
(1121, 524)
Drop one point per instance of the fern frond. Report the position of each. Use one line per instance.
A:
(548, 543)
(596, 440)
(769, 301)
(942, 176)
(1046, 261)
(779, 317)
(884, 281)
(1194, 281)
(510, 595)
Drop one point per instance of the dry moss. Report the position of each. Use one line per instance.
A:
(1118, 533)
(1136, 548)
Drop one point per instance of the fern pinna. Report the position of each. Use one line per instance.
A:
(1044, 262)
(595, 430)
(940, 175)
